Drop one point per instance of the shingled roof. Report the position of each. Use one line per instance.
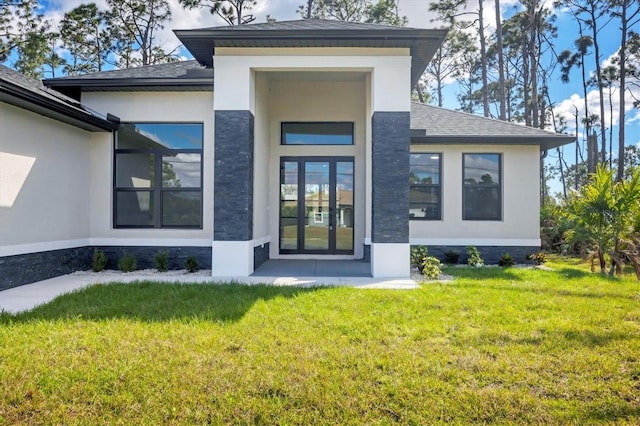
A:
(24, 92)
(431, 124)
(422, 43)
(182, 76)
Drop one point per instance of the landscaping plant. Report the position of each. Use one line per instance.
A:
(539, 258)
(127, 263)
(506, 260)
(191, 264)
(451, 257)
(474, 257)
(162, 260)
(418, 253)
(99, 261)
(431, 267)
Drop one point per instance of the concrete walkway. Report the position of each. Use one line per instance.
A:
(29, 296)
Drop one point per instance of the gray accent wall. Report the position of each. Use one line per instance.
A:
(31, 267)
(233, 176)
(490, 254)
(390, 140)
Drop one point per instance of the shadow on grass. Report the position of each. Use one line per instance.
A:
(156, 302)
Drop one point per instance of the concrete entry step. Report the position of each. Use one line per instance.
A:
(313, 268)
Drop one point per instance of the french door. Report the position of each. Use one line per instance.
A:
(316, 205)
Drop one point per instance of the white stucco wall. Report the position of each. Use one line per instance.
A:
(192, 107)
(44, 183)
(261, 207)
(520, 200)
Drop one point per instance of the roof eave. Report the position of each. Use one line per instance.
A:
(129, 82)
(545, 142)
(23, 98)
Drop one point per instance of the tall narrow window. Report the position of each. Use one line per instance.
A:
(482, 187)
(158, 175)
(425, 201)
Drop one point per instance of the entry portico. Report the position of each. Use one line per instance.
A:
(317, 78)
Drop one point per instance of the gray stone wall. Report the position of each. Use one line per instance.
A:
(233, 176)
(490, 254)
(260, 255)
(390, 139)
(145, 256)
(29, 268)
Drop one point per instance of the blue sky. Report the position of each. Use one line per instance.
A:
(564, 96)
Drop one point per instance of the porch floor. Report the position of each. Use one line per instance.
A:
(313, 268)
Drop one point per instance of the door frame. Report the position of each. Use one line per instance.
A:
(301, 160)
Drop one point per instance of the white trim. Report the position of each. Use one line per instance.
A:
(390, 260)
(500, 242)
(261, 241)
(168, 242)
(232, 258)
(18, 249)
(40, 247)
(367, 241)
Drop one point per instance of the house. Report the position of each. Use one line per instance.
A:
(280, 140)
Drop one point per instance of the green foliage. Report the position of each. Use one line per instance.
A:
(431, 267)
(603, 213)
(452, 257)
(127, 263)
(418, 253)
(506, 260)
(99, 261)
(162, 260)
(474, 257)
(191, 264)
(539, 258)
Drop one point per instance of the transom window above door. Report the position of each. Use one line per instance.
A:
(317, 133)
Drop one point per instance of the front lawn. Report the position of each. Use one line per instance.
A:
(514, 345)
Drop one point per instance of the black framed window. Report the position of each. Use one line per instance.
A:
(317, 133)
(425, 199)
(158, 175)
(482, 187)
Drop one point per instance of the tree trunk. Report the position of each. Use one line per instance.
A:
(483, 58)
(623, 58)
(503, 112)
(596, 47)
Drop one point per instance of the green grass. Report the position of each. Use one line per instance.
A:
(494, 346)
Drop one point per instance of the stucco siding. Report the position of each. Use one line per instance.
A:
(520, 200)
(157, 107)
(44, 183)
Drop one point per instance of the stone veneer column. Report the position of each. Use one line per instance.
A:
(390, 139)
(233, 194)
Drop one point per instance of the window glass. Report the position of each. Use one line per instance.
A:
(160, 136)
(425, 201)
(317, 133)
(165, 159)
(134, 208)
(181, 208)
(482, 187)
(134, 170)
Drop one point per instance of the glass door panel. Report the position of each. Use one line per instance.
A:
(316, 205)
(344, 205)
(289, 205)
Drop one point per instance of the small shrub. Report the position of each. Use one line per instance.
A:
(474, 257)
(162, 260)
(452, 257)
(506, 261)
(431, 267)
(539, 258)
(191, 264)
(99, 261)
(418, 253)
(127, 263)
